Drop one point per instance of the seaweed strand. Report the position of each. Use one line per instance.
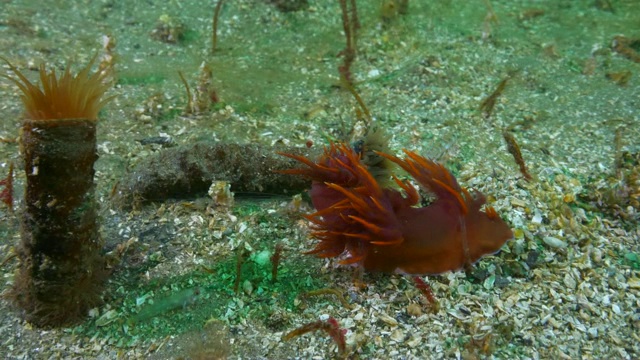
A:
(329, 291)
(514, 149)
(331, 327)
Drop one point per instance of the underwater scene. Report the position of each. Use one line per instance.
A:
(320, 179)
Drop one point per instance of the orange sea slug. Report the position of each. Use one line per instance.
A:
(381, 229)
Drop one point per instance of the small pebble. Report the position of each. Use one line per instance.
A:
(616, 309)
(414, 309)
(569, 281)
(554, 242)
(397, 335)
(247, 287)
(537, 219)
(388, 319)
(634, 283)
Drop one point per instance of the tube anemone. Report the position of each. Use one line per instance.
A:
(62, 269)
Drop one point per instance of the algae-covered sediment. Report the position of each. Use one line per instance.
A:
(566, 286)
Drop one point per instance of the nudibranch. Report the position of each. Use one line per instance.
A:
(384, 228)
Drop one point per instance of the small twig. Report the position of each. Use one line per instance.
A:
(617, 143)
(239, 261)
(355, 25)
(425, 289)
(9, 257)
(490, 101)
(6, 195)
(189, 107)
(626, 47)
(214, 33)
(346, 25)
(275, 261)
(403, 7)
(329, 291)
(331, 327)
(350, 24)
(491, 13)
(207, 269)
(514, 149)
(347, 84)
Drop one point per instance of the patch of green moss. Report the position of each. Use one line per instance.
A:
(170, 114)
(246, 209)
(190, 36)
(137, 79)
(632, 259)
(175, 305)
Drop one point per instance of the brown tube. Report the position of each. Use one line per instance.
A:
(61, 266)
(61, 270)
